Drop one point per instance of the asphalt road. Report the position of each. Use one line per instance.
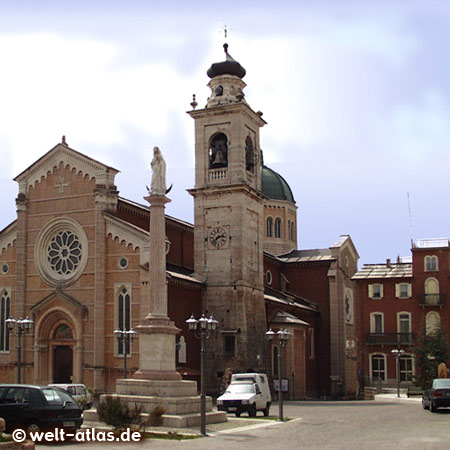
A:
(322, 425)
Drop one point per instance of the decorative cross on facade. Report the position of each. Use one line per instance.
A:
(61, 185)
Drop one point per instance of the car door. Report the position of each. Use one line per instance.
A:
(15, 406)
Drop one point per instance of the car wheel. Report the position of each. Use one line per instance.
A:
(237, 414)
(266, 410)
(252, 411)
(32, 427)
(424, 406)
(432, 407)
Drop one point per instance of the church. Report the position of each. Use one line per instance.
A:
(76, 262)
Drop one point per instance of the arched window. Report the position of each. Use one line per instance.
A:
(291, 230)
(218, 152)
(432, 322)
(277, 227)
(123, 318)
(378, 367)
(269, 232)
(404, 327)
(249, 155)
(431, 263)
(406, 366)
(219, 91)
(5, 312)
(431, 291)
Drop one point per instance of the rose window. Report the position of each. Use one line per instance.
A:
(64, 252)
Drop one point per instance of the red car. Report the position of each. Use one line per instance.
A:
(438, 396)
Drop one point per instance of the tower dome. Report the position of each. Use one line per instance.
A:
(228, 67)
(274, 186)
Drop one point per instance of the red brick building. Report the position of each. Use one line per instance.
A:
(396, 302)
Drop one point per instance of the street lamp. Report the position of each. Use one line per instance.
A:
(207, 327)
(24, 326)
(397, 353)
(283, 336)
(125, 336)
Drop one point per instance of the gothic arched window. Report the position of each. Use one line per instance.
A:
(249, 155)
(123, 318)
(269, 227)
(277, 227)
(5, 312)
(218, 152)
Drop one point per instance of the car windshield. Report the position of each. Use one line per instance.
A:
(441, 383)
(240, 389)
(55, 395)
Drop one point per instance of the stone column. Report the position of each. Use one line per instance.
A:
(157, 332)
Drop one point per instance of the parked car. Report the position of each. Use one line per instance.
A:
(79, 392)
(438, 395)
(247, 392)
(35, 408)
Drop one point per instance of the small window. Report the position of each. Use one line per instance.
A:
(5, 269)
(123, 262)
(403, 290)
(229, 346)
(431, 263)
(376, 323)
(375, 291)
(249, 155)
(269, 277)
(219, 91)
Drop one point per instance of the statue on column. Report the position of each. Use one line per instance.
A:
(159, 173)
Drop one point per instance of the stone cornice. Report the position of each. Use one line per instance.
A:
(8, 236)
(126, 232)
(61, 153)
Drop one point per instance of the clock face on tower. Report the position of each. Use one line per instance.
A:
(218, 237)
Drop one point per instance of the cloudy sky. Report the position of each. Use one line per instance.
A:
(356, 95)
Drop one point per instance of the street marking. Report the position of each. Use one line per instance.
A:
(267, 423)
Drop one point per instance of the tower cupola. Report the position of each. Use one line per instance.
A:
(226, 81)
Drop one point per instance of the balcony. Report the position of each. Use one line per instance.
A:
(432, 299)
(390, 338)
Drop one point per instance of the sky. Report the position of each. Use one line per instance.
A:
(356, 97)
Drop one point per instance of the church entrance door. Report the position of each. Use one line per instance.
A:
(62, 364)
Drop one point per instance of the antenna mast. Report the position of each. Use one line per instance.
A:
(410, 220)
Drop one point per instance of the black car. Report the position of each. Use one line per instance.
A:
(35, 408)
(438, 396)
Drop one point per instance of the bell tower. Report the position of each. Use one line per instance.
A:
(229, 221)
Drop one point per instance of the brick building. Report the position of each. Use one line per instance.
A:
(76, 261)
(396, 302)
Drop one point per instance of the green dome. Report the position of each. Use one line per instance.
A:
(274, 186)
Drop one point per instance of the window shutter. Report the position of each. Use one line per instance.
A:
(370, 291)
(409, 290)
(381, 290)
(397, 290)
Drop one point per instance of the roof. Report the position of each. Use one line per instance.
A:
(274, 186)
(432, 243)
(283, 317)
(320, 254)
(377, 271)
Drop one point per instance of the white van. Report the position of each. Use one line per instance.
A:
(247, 392)
(78, 392)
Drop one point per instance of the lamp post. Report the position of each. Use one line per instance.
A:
(397, 352)
(24, 326)
(126, 337)
(283, 336)
(207, 326)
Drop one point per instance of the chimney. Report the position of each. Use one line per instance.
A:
(388, 262)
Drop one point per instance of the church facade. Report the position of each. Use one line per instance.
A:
(76, 261)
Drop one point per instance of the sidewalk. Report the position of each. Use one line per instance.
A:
(403, 398)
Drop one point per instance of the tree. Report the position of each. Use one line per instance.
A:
(431, 350)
